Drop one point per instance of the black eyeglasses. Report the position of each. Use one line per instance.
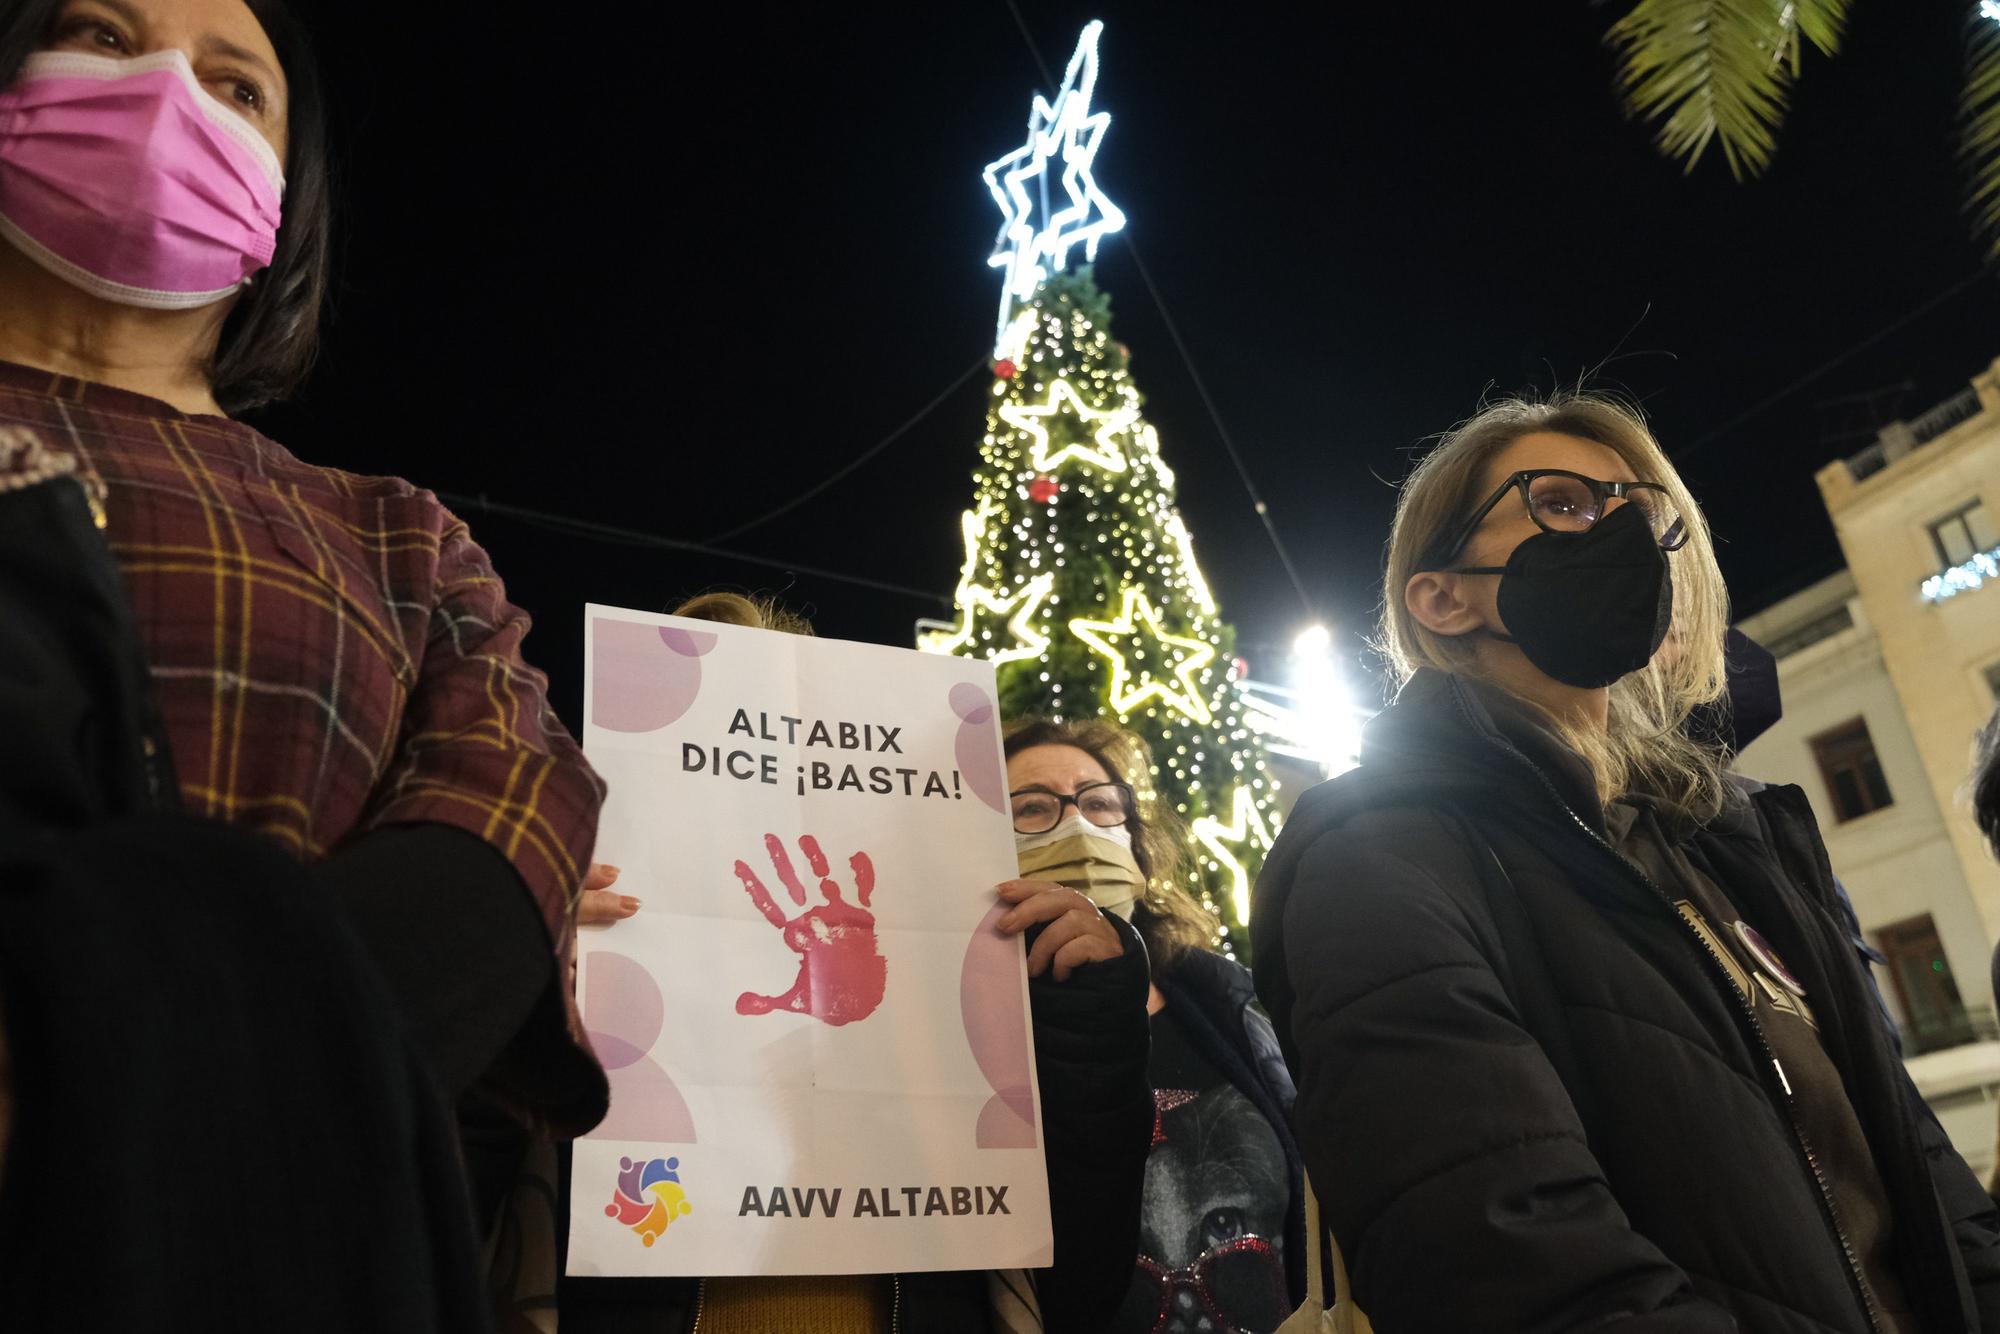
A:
(1106, 805)
(1568, 502)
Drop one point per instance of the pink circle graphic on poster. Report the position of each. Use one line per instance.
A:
(644, 677)
(624, 1012)
(974, 750)
(990, 1005)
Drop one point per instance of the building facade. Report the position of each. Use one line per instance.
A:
(1888, 672)
(1844, 740)
(1915, 514)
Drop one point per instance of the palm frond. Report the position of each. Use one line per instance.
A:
(1718, 71)
(1823, 22)
(1979, 130)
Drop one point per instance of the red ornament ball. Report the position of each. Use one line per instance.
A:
(1005, 368)
(1043, 489)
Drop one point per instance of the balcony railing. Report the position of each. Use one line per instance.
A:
(1812, 632)
(1899, 438)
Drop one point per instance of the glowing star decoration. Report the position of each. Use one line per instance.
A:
(1103, 451)
(1069, 129)
(982, 604)
(1189, 656)
(1246, 829)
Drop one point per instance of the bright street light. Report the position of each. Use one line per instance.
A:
(1331, 726)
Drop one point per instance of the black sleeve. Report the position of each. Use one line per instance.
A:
(1092, 1042)
(1398, 1013)
(1974, 1220)
(454, 932)
(185, 1010)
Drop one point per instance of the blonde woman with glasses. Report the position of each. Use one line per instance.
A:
(1580, 1041)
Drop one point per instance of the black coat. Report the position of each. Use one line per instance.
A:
(1212, 999)
(1529, 1097)
(218, 1123)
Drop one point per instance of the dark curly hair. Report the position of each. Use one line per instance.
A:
(1167, 916)
(271, 336)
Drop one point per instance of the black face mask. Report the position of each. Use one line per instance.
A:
(1589, 607)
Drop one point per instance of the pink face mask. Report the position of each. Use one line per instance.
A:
(127, 179)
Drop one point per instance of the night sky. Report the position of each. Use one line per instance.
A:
(665, 275)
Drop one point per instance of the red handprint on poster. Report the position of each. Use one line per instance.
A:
(841, 972)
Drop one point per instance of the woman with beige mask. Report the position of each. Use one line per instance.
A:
(1220, 1223)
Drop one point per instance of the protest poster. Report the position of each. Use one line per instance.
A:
(819, 1048)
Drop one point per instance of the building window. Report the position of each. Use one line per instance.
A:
(1852, 774)
(1933, 1013)
(1964, 533)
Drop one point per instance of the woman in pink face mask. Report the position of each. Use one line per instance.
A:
(178, 249)
(325, 662)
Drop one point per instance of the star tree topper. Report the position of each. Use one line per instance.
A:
(1027, 248)
(1177, 688)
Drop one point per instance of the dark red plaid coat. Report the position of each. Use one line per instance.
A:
(332, 653)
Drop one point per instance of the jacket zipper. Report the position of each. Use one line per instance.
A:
(700, 1300)
(896, 1304)
(151, 751)
(1719, 974)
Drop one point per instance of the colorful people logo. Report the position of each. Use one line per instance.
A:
(842, 973)
(648, 1197)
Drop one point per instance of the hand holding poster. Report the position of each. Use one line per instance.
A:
(818, 1045)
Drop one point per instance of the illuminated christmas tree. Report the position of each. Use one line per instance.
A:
(1080, 580)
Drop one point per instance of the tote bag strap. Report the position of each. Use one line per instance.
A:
(1316, 1317)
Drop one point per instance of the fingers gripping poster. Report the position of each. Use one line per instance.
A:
(818, 1045)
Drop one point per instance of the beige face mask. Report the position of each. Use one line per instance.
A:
(1097, 863)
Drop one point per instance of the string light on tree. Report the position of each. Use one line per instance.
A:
(1075, 535)
(1013, 344)
(1190, 568)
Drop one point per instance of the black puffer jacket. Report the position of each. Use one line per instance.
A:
(1529, 1097)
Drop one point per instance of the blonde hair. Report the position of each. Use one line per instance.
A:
(1167, 916)
(759, 613)
(1645, 746)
